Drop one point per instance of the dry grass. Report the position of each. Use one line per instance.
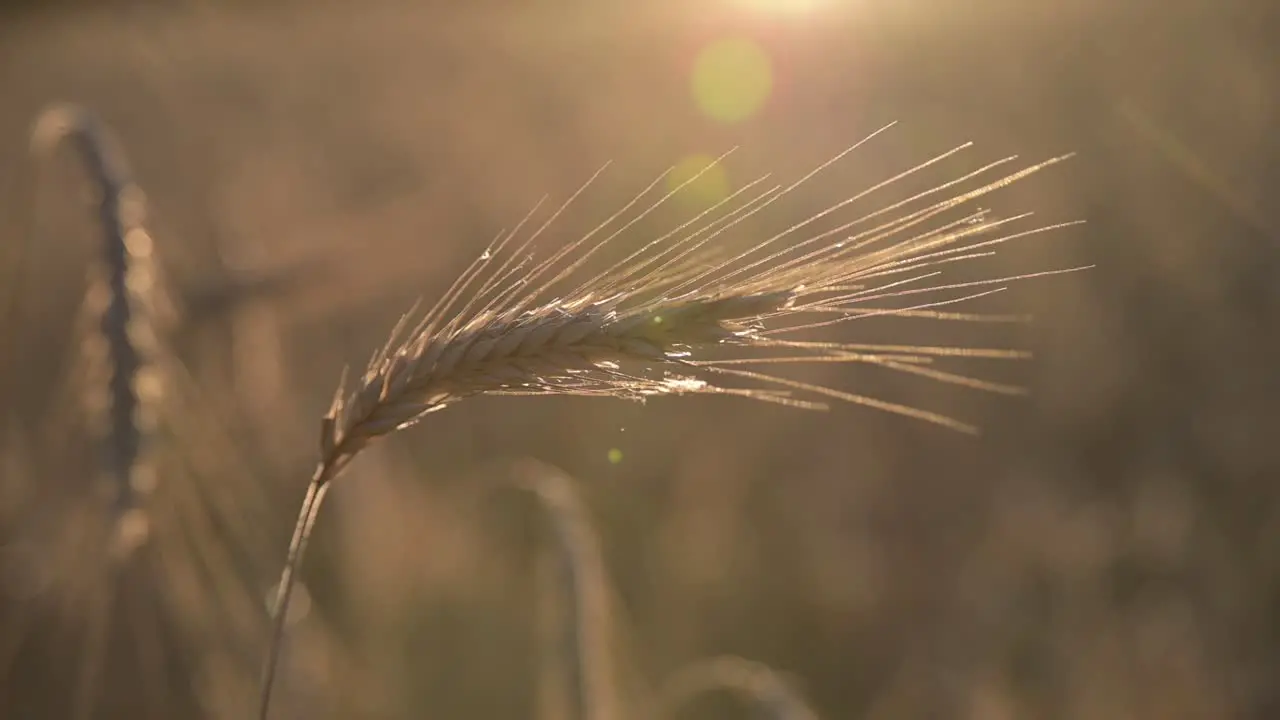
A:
(650, 322)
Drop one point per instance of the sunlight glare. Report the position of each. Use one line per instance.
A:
(792, 7)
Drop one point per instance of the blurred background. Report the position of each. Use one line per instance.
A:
(1110, 546)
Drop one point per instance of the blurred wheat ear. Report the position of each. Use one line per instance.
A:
(135, 525)
(686, 312)
(579, 679)
(579, 668)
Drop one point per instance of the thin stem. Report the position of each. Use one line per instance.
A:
(316, 492)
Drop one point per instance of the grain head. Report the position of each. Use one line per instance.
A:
(687, 312)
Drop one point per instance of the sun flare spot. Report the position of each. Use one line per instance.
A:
(732, 79)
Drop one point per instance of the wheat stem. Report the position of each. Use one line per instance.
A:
(580, 585)
(316, 492)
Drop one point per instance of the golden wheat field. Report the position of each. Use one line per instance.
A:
(667, 360)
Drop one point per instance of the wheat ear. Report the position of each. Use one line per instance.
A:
(651, 323)
(117, 380)
(122, 389)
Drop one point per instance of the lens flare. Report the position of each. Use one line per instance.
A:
(790, 7)
(732, 79)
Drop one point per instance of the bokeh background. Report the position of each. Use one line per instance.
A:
(1109, 548)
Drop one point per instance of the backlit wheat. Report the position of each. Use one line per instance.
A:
(681, 314)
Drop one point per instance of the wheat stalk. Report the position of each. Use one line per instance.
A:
(652, 322)
(578, 653)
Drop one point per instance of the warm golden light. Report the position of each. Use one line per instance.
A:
(732, 78)
(783, 6)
